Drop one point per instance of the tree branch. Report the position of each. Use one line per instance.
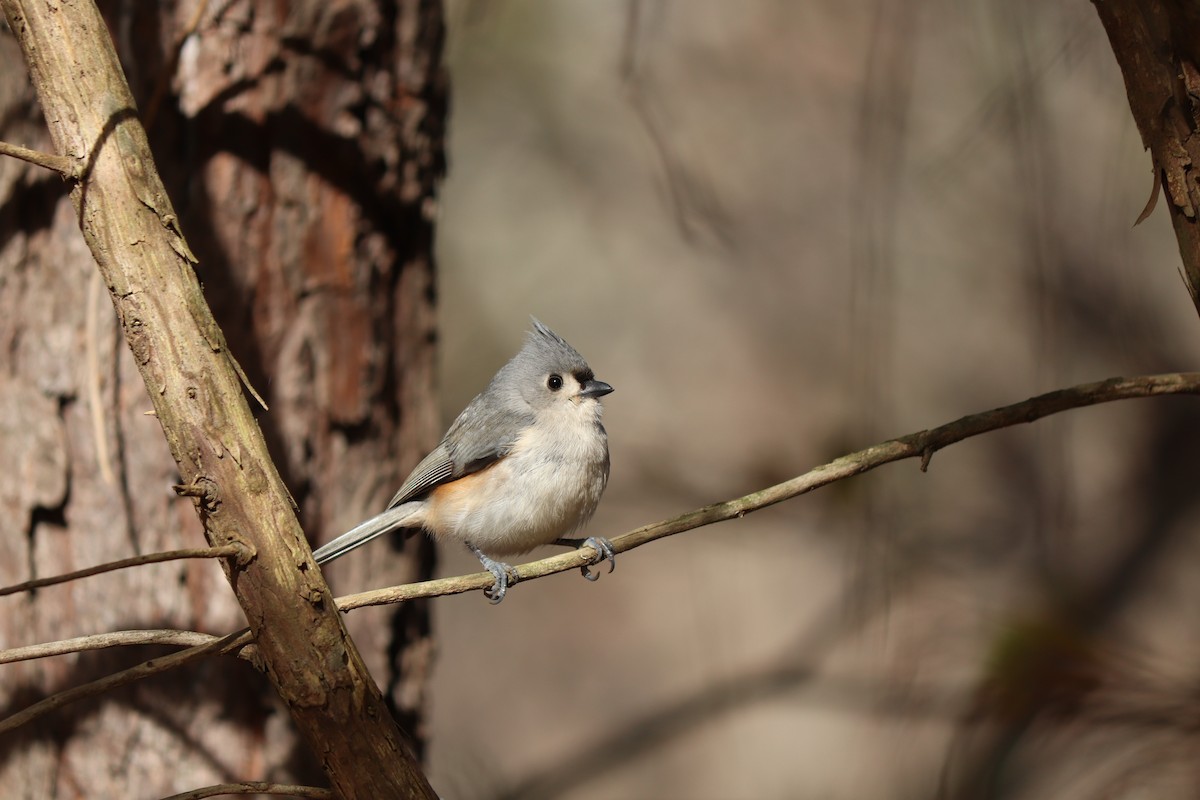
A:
(237, 550)
(109, 682)
(66, 167)
(133, 232)
(254, 787)
(922, 444)
(1157, 47)
(99, 641)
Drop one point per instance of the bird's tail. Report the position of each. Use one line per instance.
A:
(390, 520)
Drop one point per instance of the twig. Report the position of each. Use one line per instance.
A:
(254, 787)
(67, 167)
(100, 641)
(238, 551)
(109, 682)
(94, 393)
(133, 232)
(922, 444)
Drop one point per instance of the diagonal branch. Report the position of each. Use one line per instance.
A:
(126, 676)
(254, 787)
(922, 444)
(133, 232)
(1157, 47)
(237, 551)
(99, 641)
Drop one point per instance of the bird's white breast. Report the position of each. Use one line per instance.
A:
(546, 487)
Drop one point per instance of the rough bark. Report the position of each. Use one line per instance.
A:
(302, 142)
(306, 142)
(1157, 45)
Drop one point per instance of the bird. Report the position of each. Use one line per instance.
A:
(523, 465)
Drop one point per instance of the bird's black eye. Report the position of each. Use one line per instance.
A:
(554, 382)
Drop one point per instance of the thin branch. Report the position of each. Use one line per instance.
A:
(922, 444)
(154, 666)
(134, 234)
(66, 167)
(254, 787)
(100, 641)
(238, 551)
(94, 393)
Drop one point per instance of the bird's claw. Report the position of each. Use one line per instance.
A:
(496, 593)
(505, 576)
(604, 552)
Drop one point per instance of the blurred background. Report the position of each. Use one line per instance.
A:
(783, 232)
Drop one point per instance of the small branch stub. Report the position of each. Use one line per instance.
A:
(66, 167)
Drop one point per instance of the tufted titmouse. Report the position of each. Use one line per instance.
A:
(524, 464)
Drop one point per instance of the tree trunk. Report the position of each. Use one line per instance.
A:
(301, 144)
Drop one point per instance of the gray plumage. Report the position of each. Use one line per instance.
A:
(491, 423)
(390, 520)
(554, 485)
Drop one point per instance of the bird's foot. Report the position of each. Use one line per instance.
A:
(604, 552)
(504, 574)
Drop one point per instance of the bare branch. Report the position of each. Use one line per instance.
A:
(100, 641)
(154, 666)
(922, 444)
(239, 551)
(1157, 46)
(254, 787)
(134, 234)
(94, 394)
(66, 167)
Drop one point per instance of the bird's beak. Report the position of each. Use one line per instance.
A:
(594, 388)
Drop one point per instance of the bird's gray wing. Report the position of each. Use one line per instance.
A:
(478, 438)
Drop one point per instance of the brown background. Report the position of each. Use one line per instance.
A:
(784, 231)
